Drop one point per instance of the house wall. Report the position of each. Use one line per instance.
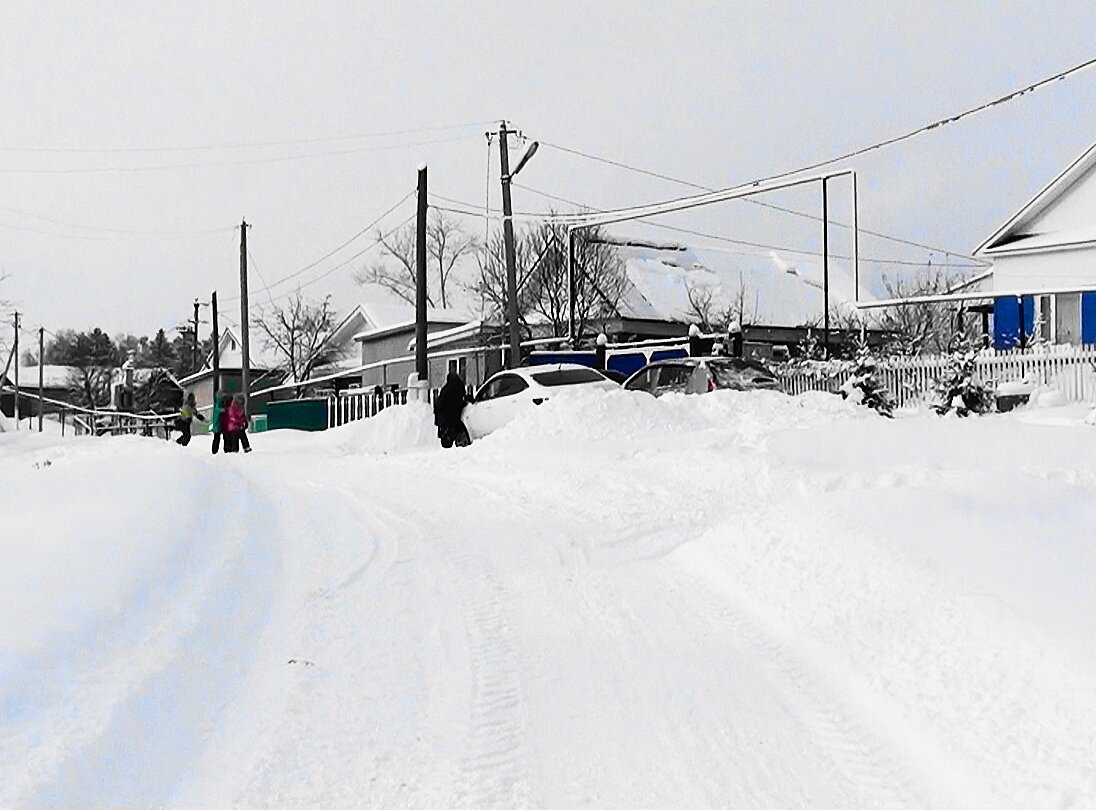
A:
(1060, 268)
(392, 345)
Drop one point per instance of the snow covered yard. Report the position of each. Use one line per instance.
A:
(732, 600)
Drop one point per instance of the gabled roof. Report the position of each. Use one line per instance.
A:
(1017, 233)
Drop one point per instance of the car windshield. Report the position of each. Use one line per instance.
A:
(567, 376)
(732, 373)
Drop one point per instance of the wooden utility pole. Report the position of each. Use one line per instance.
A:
(216, 348)
(514, 357)
(18, 415)
(41, 401)
(571, 336)
(194, 339)
(422, 368)
(825, 269)
(245, 355)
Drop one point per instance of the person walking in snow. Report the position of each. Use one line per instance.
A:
(220, 405)
(448, 406)
(234, 423)
(187, 414)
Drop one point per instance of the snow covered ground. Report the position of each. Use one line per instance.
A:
(732, 600)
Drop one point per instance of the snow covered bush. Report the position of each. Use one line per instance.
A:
(959, 386)
(865, 386)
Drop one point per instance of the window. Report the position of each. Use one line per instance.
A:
(640, 382)
(504, 385)
(458, 365)
(674, 376)
(567, 376)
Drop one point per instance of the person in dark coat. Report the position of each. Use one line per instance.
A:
(448, 406)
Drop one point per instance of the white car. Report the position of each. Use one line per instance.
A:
(509, 392)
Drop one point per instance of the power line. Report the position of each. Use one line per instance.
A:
(102, 229)
(234, 145)
(730, 240)
(224, 163)
(335, 250)
(854, 153)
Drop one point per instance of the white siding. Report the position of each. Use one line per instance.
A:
(1061, 268)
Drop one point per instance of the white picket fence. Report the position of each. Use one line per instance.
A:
(1070, 370)
(355, 404)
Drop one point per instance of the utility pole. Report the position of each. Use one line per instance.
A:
(514, 358)
(18, 415)
(41, 401)
(422, 368)
(571, 336)
(194, 340)
(825, 269)
(216, 349)
(245, 355)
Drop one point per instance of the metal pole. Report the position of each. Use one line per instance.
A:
(18, 413)
(514, 358)
(194, 341)
(421, 366)
(825, 268)
(41, 402)
(245, 355)
(216, 348)
(855, 239)
(571, 286)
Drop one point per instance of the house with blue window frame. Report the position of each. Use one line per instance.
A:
(1044, 263)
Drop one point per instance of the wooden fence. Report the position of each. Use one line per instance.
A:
(1069, 370)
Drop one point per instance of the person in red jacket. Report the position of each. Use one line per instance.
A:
(234, 424)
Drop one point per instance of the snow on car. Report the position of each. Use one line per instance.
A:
(698, 375)
(507, 393)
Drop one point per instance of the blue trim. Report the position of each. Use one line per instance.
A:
(1006, 319)
(1088, 318)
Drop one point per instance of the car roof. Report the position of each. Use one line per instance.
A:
(527, 372)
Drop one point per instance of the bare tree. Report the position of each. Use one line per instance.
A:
(923, 328)
(713, 314)
(541, 257)
(296, 331)
(446, 244)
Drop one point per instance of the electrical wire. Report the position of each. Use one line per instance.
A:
(235, 145)
(104, 229)
(224, 163)
(744, 242)
(335, 250)
(854, 153)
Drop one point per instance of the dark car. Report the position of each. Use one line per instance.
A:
(698, 375)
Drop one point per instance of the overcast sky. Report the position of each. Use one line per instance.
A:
(714, 93)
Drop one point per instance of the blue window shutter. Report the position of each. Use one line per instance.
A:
(1088, 317)
(1006, 322)
(1006, 319)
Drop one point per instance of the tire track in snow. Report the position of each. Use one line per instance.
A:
(492, 771)
(864, 752)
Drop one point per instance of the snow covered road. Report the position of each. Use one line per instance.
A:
(734, 600)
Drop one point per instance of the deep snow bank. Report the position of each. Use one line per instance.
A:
(580, 415)
(396, 429)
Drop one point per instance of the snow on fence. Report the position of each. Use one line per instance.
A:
(1070, 370)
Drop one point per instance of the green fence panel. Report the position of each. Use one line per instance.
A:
(297, 414)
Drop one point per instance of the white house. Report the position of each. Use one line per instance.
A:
(1044, 256)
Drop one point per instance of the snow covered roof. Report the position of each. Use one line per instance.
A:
(1059, 216)
(52, 376)
(774, 291)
